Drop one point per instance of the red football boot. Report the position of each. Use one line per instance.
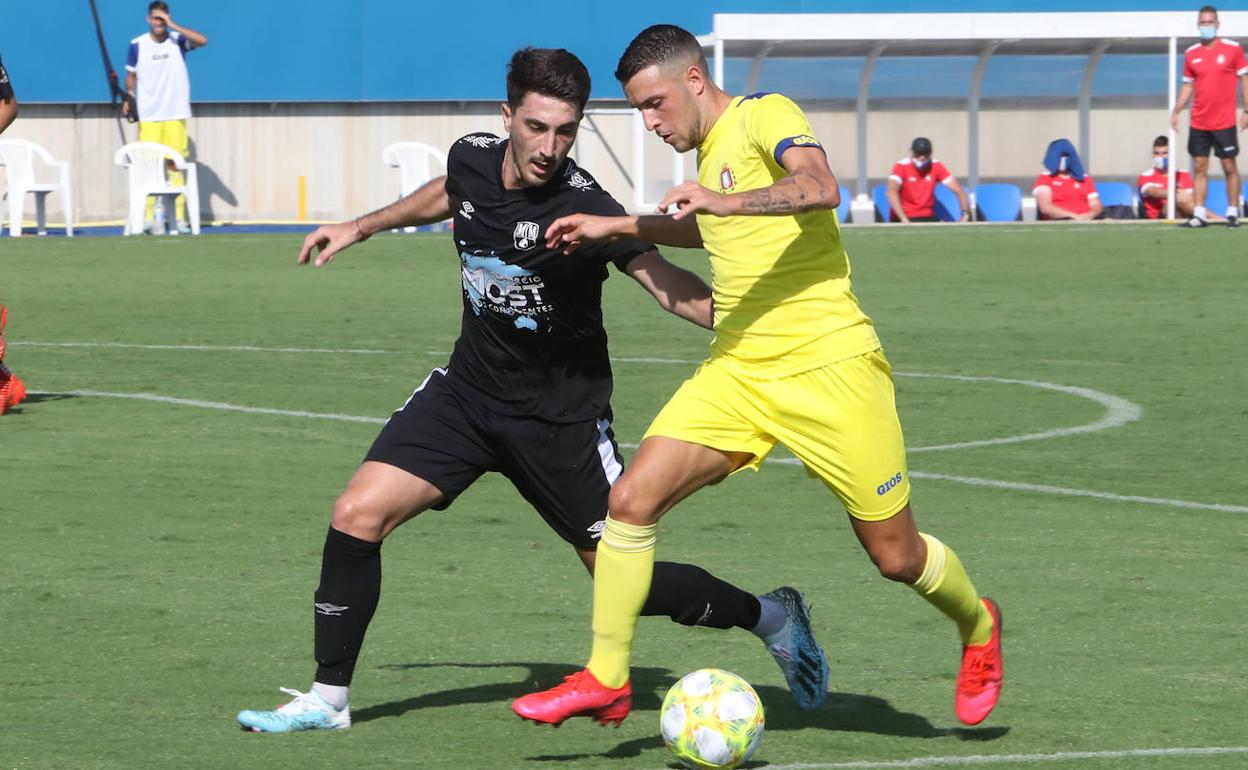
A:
(979, 681)
(580, 695)
(4, 318)
(12, 389)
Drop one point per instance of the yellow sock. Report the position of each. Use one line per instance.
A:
(622, 573)
(946, 585)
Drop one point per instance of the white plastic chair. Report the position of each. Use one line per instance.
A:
(145, 162)
(417, 163)
(18, 158)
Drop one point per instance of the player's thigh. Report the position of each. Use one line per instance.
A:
(379, 498)
(564, 470)
(667, 470)
(435, 437)
(1199, 143)
(173, 134)
(1226, 146)
(841, 422)
(151, 131)
(713, 409)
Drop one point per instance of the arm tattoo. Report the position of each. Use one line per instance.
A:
(795, 194)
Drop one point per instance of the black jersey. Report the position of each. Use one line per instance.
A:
(6, 88)
(532, 341)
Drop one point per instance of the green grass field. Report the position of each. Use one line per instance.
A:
(159, 558)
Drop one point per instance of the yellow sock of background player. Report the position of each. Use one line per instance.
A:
(623, 569)
(945, 584)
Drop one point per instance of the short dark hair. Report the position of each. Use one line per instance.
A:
(1208, 9)
(158, 5)
(658, 45)
(549, 71)
(1162, 141)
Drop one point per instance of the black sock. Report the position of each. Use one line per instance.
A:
(345, 602)
(694, 597)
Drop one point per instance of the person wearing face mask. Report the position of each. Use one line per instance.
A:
(1155, 181)
(1065, 190)
(912, 185)
(156, 75)
(1213, 69)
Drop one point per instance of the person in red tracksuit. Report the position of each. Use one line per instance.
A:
(1213, 69)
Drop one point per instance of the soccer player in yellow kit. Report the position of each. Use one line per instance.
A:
(794, 361)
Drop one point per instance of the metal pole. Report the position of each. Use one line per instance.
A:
(1171, 192)
(864, 90)
(972, 114)
(1085, 103)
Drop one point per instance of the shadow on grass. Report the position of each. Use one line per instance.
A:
(38, 398)
(844, 712)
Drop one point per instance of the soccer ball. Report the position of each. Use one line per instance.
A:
(711, 719)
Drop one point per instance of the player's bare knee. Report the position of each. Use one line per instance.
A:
(629, 505)
(897, 565)
(358, 519)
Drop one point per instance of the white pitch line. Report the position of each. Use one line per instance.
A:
(1118, 411)
(215, 348)
(981, 760)
(212, 405)
(1011, 485)
(1018, 486)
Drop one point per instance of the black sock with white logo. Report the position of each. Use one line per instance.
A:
(692, 596)
(345, 602)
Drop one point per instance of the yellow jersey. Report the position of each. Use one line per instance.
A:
(783, 303)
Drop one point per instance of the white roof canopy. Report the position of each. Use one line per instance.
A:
(758, 36)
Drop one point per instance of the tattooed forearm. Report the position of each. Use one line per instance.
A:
(794, 194)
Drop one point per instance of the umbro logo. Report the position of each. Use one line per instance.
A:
(482, 141)
(595, 529)
(466, 210)
(325, 608)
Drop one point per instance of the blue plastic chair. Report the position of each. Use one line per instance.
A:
(842, 210)
(998, 203)
(1215, 199)
(947, 207)
(1116, 194)
(879, 194)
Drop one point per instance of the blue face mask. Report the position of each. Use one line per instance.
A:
(1161, 164)
(922, 165)
(1208, 33)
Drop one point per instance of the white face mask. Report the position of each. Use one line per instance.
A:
(1063, 164)
(1161, 164)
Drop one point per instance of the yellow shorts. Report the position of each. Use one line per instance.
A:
(839, 420)
(171, 133)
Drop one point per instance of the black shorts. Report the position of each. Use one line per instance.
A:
(564, 470)
(1224, 141)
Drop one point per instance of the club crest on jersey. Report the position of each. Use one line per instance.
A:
(1221, 59)
(525, 236)
(726, 179)
(580, 181)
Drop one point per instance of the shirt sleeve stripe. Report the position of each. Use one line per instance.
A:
(793, 141)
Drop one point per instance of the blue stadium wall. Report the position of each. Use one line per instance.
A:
(384, 50)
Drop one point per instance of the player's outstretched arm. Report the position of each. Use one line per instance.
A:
(426, 205)
(571, 231)
(677, 290)
(810, 185)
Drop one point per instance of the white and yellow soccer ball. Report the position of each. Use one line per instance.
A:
(712, 719)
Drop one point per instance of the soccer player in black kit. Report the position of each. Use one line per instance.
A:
(526, 393)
